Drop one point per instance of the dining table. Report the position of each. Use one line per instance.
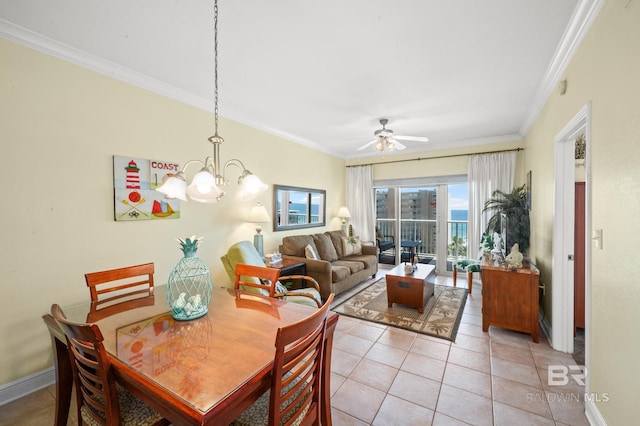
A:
(199, 372)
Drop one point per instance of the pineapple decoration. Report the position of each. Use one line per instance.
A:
(189, 287)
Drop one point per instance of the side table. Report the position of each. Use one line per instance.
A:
(289, 267)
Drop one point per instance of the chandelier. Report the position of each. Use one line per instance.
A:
(206, 186)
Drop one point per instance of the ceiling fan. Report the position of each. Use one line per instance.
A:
(385, 140)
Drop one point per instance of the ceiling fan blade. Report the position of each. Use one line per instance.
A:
(367, 145)
(412, 138)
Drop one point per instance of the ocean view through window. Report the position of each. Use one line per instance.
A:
(422, 214)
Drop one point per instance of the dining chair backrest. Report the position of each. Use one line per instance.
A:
(130, 280)
(98, 399)
(261, 278)
(64, 380)
(298, 369)
(95, 384)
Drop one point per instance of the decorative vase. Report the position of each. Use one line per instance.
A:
(189, 287)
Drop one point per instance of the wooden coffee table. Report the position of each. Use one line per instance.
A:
(410, 290)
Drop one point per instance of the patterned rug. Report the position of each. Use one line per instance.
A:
(441, 317)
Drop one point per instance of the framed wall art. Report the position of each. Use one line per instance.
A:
(134, 183)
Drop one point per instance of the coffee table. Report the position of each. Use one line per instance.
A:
(410, 290)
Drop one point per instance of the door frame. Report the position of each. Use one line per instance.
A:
(563, 233)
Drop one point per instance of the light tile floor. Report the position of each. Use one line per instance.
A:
(387, 376)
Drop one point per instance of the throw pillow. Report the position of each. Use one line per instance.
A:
(351, 245)
(325, 247)
(336, 237)
(310, 252)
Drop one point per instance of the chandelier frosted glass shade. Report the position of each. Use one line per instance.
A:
(174, 187)
(250, 186)
(203, 188)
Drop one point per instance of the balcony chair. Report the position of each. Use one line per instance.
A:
(245, 253)
(99, 400)
(384, 243)
(296, 376)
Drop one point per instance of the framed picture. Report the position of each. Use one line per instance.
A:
(134, 184)
(529, 190)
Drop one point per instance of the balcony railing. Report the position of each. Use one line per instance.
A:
(426, 232)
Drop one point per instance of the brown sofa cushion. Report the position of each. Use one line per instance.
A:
(295, 244)
(339, 272)
(367, 260)
(336, 239)
(353, 266)
(325, 247)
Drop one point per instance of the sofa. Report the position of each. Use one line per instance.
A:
(335, 261)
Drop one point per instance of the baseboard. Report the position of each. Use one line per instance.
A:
(546, 327)
(26, 385)
(593, 414)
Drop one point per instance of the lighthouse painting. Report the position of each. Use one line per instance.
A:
(135, 197)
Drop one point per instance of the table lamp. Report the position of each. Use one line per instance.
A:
(344, 214)
(259, 215)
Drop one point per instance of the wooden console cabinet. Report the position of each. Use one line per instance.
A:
(510, 298)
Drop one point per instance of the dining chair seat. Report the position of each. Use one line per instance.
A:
(132, 411)
(297, 376)
(99, 401)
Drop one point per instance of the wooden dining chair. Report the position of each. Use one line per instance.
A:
(267, 281)
(99, 400)
(297, 376)
(64, 375)
(114, 282)
(260, 278)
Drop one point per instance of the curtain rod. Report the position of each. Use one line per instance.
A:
(440, 156)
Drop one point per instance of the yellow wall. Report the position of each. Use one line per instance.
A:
(606, 71)
(61, 125)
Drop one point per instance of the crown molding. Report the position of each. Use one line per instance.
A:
(48, 46)
(583, 16)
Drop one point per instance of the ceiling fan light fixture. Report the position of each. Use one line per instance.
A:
(390, 145)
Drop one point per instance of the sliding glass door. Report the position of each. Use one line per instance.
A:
(429, 222)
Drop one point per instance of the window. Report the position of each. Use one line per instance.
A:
(424, 212)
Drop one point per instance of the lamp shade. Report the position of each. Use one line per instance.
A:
(258, 214)
(174, 187)
(344, 213)
(203, 188)
(250, 186)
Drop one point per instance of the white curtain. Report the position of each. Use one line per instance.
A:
(361, 202)
(487, 172)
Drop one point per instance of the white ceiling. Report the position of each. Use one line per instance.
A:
(322, 73)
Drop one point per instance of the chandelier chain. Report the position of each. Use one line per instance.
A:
(215, 64)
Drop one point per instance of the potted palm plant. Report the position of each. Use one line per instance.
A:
(514, 206)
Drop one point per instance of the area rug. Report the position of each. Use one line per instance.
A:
(441, 316)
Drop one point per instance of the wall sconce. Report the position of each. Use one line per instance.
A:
(258, 214)
(344, 214)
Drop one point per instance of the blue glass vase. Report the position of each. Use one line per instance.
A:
(189, 286)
